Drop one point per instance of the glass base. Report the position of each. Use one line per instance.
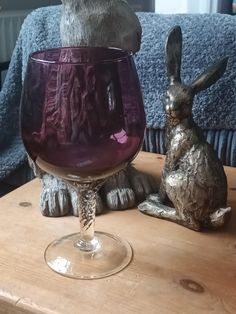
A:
(111, 255)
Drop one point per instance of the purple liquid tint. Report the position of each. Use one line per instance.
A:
(83, 117)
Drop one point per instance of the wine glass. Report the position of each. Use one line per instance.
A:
(82, 120)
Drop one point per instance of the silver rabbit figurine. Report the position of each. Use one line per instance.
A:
(193, 189)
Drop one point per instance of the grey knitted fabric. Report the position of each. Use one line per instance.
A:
(205, 38)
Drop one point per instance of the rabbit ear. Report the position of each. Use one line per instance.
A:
(210, 76)
(173, 54)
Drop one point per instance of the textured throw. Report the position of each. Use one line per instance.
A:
(205, 38)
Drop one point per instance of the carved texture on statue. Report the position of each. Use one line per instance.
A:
(193, 189)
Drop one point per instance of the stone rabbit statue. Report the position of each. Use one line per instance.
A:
(97, 23)
(193, 189)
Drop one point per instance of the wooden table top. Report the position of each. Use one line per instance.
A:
(174, 270)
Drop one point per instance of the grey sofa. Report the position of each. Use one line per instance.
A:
(205, 39)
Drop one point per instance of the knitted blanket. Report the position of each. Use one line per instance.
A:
(205, 38)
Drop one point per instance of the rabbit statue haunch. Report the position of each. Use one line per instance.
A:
(193, 189)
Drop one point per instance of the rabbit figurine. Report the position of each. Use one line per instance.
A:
(97, 23)
(193, 189)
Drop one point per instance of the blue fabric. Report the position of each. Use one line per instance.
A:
(40, 30)
(223, 141)
(206, 37)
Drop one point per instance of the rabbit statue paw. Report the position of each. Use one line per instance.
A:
(117, 192)
(127, 188)
(55, 198)
(59, 199)
(193, 189)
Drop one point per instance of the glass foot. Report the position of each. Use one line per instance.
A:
(110, 255)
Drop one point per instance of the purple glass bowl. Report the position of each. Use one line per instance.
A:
(82, 110)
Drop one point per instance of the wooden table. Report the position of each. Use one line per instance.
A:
(174, 270)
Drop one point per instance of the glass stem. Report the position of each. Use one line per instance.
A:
(87, 193)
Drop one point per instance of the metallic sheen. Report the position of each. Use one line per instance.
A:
(193, 189)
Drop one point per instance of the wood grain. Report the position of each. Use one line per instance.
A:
(174, 270)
